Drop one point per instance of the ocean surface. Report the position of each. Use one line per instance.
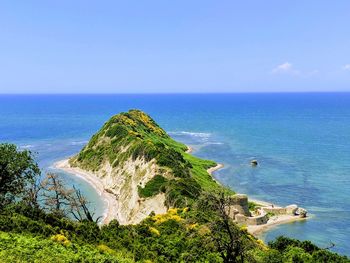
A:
(302, 142)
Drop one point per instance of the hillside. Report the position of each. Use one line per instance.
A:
(143, 167)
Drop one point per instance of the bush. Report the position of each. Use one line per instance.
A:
(153, 186)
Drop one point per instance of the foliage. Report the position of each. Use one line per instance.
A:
(180, 235)
(252, 206)
(231, 242)
(304, 251)
(153, 187)
(26, 248)
(18, 170)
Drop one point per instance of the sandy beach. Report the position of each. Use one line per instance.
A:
(211, 170)
(110, 200)
(273, 222)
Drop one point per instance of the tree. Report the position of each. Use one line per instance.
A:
(56, 196)
(79, 207)
(64, 201)
(231, 242)
(18, 170)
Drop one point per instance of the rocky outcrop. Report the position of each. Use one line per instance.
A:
(301, 212)
(123, 182)
(291, 209)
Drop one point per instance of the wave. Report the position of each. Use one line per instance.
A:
(196, 138)
(78, 142)
(26, 146)
(193, 134)
(214, 143)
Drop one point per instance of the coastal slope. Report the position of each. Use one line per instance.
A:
(141, 167)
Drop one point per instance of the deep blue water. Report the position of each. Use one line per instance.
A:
(302, 142)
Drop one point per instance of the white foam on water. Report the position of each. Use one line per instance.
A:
(79, 142)
(193, 134)
(26, 146)
(214, 143)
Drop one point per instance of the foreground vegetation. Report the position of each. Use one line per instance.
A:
(181, 235)
(43, 220)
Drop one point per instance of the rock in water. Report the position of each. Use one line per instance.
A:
(253, 162)
(301, 212)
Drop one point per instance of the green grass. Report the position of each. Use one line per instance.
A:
(27, 248)
(200, 174)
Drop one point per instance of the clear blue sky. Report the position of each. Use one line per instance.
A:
(174, 46)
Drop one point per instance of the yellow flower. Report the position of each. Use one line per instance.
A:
(105, 249)
(262, 244)
(170, 215)
(185, 209)
(244, 228)
(191, 226)
(154, 231)
(203, 230)
(172, 211)
(177, 218)
(60, 238)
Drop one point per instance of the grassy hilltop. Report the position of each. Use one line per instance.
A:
(134, 134)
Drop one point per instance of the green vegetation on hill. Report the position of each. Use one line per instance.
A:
(134, 134)
(154, 186)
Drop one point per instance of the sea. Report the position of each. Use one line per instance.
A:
(301, 141)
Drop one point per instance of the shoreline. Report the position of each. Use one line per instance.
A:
(274, 221)
(111, 211)
(109, 199)
(211, 170)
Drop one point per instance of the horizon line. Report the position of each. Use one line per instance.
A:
(176, 93)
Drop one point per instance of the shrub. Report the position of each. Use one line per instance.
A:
(153, 186)
(60, 238)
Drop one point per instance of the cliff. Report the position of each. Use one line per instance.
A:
(143, 167)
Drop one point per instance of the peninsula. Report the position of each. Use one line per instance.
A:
(138, 169)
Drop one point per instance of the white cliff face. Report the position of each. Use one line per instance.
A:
(123, 182)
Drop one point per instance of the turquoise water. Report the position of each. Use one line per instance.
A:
(302, 142)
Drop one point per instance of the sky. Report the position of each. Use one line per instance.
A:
(182, 46)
